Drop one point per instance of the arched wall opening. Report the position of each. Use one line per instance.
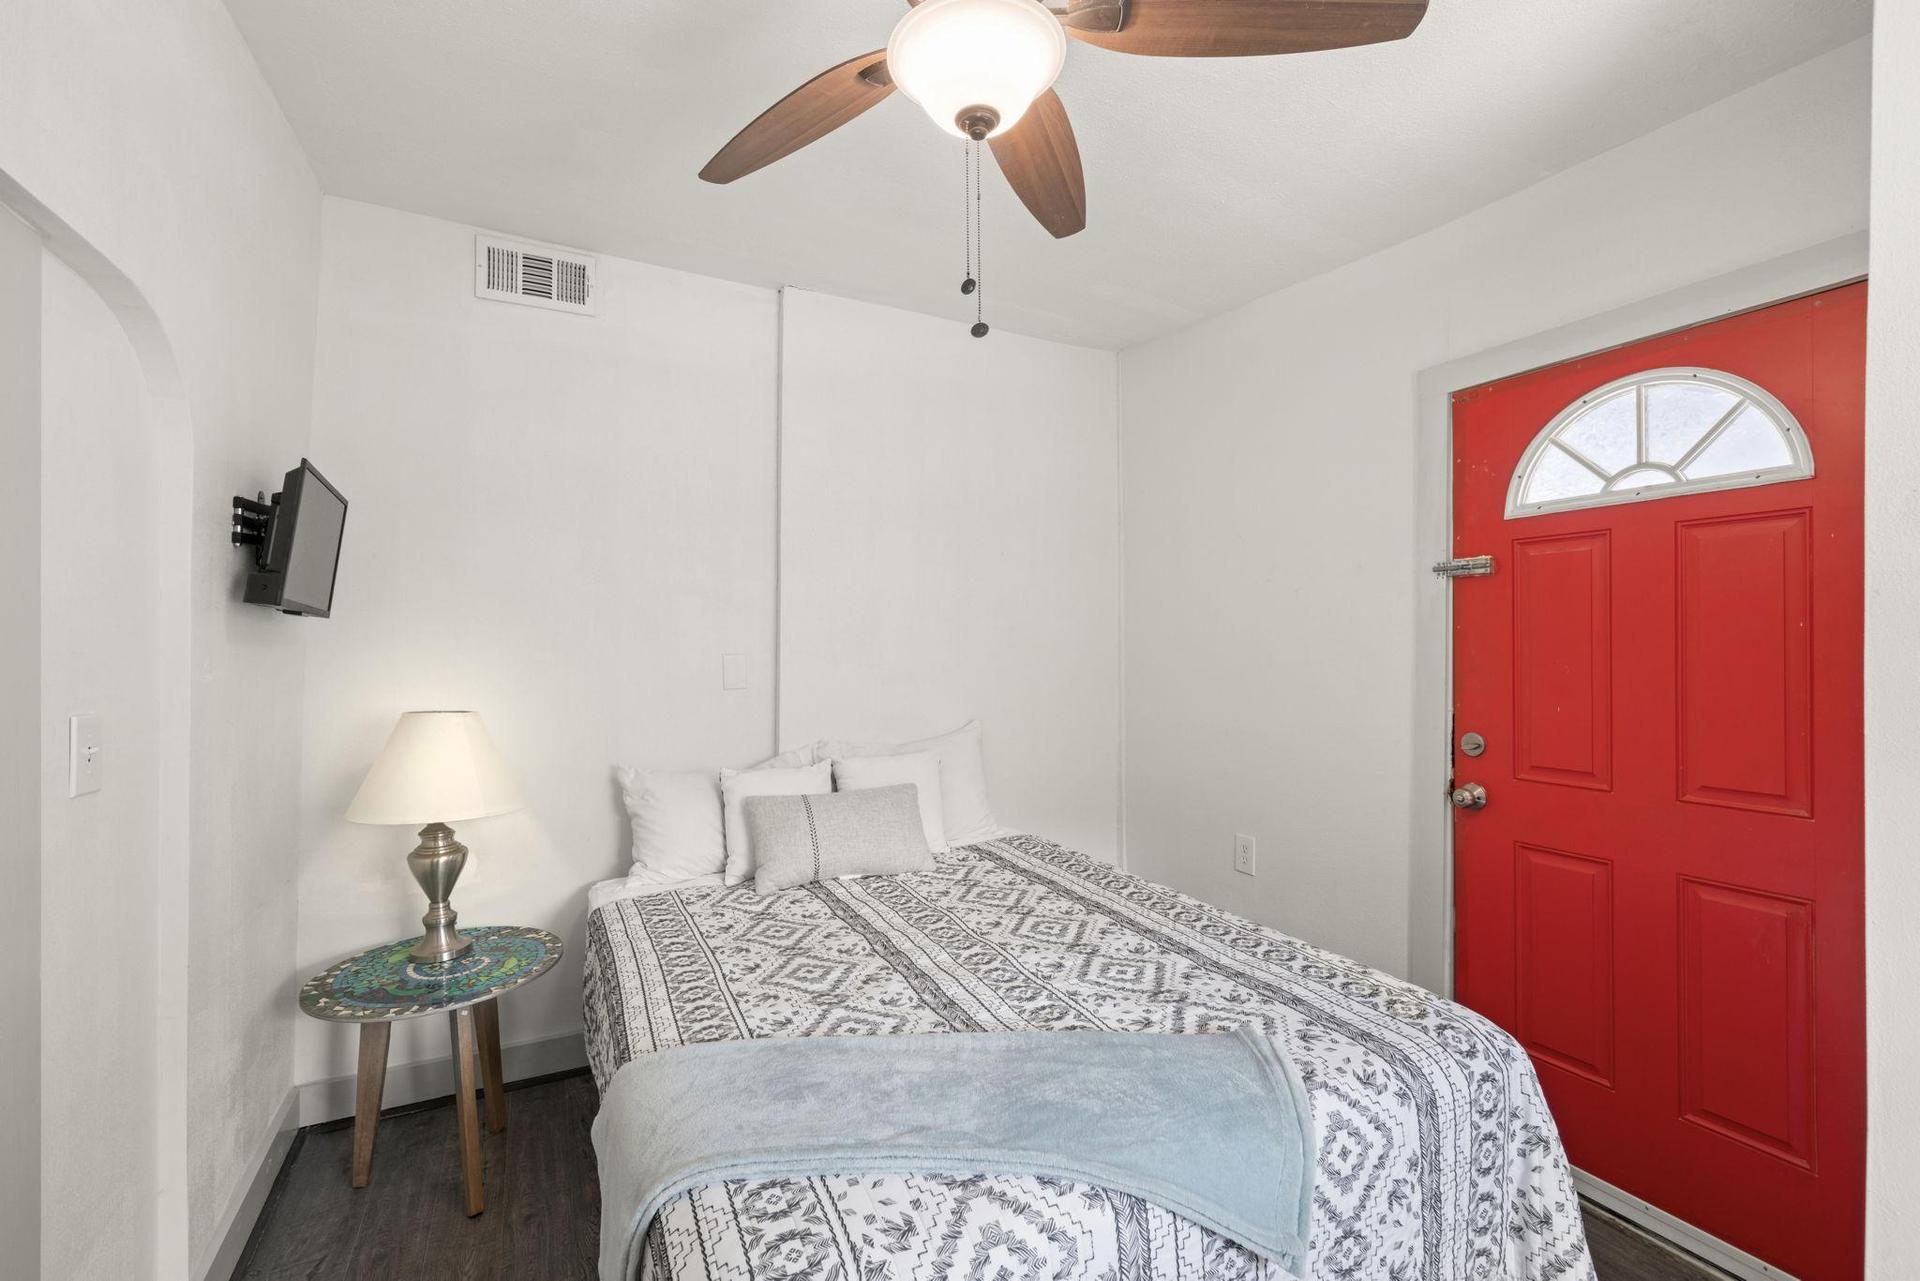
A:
(98, 407)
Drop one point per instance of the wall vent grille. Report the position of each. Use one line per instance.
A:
(534, 275)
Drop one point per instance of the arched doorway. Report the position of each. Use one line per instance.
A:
(96, 450)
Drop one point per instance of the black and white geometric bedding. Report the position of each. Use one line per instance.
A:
(1437, 1158)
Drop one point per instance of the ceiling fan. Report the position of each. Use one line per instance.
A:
(984, 70)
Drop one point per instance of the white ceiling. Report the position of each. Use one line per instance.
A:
(1209, 182)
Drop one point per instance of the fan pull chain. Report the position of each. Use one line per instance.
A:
(970, 206)
(969, 284)
(979, 227)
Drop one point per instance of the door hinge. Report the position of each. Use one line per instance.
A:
(1464, 567)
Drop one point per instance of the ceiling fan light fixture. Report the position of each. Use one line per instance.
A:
(975, 66)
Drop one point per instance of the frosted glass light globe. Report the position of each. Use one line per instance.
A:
(952, 56)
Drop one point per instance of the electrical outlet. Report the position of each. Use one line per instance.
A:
(1243, 853)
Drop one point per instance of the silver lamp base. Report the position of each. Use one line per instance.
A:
(436, 863)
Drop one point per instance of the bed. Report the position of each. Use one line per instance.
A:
(1436, 1156)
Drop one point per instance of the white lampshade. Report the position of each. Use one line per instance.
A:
(949, 55)
(437, 767)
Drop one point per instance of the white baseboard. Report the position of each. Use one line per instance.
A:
(236, 1224)
(1657, 1222)
(331, 1099)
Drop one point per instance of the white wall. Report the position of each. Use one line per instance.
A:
(99, 576)
(560, 521)
(1271, 478)
(1893, 637)
(949, 549)
(147, 133)
(565, 522)
(20, 1125)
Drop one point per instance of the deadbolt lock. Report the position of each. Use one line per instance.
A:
(1471, 744)
(1469, 796)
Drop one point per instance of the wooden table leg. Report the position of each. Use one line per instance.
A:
(465, 1054)
(369, 1084)
(487, 1022)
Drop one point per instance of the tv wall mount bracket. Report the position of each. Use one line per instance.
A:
(253, 522)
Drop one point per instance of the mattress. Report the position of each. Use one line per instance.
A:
(1436, 1156)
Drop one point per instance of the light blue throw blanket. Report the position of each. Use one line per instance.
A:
(1214, 1128)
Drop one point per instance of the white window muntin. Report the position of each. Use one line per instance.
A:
(1644, 478)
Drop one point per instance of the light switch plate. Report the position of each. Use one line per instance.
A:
(84, 745)
(1243, 853)
(733, 671)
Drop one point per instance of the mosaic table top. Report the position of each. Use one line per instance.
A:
(384, 983)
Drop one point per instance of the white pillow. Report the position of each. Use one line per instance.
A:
(922, 769)
(738, 784)
(963, 779)
(677, 830)
(792, 758)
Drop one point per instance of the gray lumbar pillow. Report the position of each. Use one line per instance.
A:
(798, 839)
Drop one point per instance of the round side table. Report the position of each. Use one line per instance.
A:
(383, 985)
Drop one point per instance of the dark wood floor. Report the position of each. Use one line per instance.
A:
(543, 1203)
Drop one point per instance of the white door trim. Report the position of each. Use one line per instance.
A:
(21, 1017)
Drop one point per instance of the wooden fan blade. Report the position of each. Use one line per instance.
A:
(1042, 163)
(1239, 28)
(806, 115)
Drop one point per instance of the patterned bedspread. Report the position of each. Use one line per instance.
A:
(1437, 1158)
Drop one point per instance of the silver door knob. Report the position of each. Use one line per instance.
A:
(1469, 796)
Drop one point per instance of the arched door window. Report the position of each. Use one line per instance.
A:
(1659, 434)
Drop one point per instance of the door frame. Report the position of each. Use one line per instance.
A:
(20, 728)
(1430, 884)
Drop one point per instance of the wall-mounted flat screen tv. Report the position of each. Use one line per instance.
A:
(301, 553)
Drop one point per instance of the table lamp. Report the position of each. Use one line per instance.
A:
(437, 767)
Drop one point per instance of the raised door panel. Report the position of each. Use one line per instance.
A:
(1745, 650)
(1746, 1017)
(1563, 947)
(1563, 660)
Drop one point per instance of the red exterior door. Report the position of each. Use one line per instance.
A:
(1662, 898)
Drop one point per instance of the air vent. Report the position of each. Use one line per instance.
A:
(534, 275)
